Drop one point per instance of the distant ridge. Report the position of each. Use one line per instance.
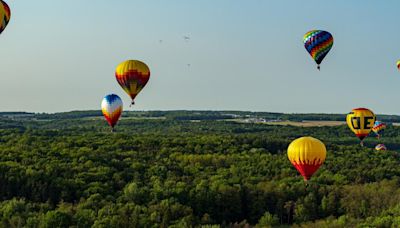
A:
(16, 113)
(183, 115)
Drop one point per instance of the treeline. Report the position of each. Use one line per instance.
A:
(171, 173)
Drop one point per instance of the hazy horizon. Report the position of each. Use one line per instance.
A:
(197, 110)
(60, 56)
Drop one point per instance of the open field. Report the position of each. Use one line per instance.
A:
(309, 123)
(127, 118)
(305, 123)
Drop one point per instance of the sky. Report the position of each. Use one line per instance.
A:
(58, 56)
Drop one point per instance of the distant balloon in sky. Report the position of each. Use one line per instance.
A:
(380, 147)
(5, 15)
(398, 64)
(132, 75)
(306, 154)
(361, 121)
(111, 106)
(378, 128)
(318, 43)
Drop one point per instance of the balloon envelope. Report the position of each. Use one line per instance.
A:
(132, 76)
(111, 106)
(5, 15)
(398, 64)
(318, 43)
(380, 147)
(306, 154)
(361, 121)
(379, 127)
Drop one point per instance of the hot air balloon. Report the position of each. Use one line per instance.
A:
(380, 147)
(5, 15)
(398, 64)
(361, 121)
(132, 75)
(306, 154)
(318, 43)
(111, 106)
(379, 128)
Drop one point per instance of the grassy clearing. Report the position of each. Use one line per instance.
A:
(309, 123)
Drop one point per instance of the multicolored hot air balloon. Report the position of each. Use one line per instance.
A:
(361, 121)
(318, 43)
(5, 15)
(380, 147)
(306, 154)
(398, 64)
(111, 106)
(132, 75)
(378, 128)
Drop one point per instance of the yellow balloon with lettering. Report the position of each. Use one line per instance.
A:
(361, 121)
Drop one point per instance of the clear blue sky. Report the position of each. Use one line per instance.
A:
(59, 55)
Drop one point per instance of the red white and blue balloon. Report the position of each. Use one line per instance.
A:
(111, 106)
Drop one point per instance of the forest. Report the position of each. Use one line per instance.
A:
(191, 169)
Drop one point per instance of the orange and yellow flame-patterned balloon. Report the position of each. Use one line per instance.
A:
(306, 154)
(132, 75)
(5, 15)
(361, 121)
(398, 64)
(111, 106)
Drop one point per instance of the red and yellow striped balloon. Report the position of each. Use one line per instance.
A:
(378, 128)
(132, 76)
(111, 106)
(5, 15)
(398, 64)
